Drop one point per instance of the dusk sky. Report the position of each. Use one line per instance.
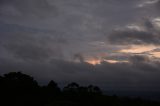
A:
(114, 44)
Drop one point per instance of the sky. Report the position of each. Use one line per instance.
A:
(114, 44)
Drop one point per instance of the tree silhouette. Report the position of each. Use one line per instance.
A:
(18, 89)
(1, 78)
(17, 80)
(72, 88)
(94, 89)
(52, 88)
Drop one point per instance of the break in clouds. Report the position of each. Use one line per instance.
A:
(110, 43)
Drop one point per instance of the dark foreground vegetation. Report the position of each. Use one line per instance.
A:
(18, 89)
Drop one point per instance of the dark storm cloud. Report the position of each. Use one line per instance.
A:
(26, 7)
(137, 59)
(136, 36)
(158, 4)
(15, 28)
(148, 34)
(30, 45)
(32, 49)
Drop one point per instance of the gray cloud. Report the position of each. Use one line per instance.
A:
(79, 57)
(136, 36)
(40, 8)
(31, 45)
(137, 59)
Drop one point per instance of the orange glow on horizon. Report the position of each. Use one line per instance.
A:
(148, 49)
(155, 54)
(94, 61)
(138, 49)
(98, 61)
(116, 61)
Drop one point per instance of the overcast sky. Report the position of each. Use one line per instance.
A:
(114, 44)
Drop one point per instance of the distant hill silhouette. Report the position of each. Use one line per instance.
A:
(18, 89)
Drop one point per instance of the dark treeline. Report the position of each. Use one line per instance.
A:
(18, 89)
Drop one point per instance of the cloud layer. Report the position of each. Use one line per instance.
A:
(54, 39)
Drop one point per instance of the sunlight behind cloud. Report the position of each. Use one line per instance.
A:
(94, 62)
(116, 61)
(138, 49)
(155, 54)
(99, 61)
